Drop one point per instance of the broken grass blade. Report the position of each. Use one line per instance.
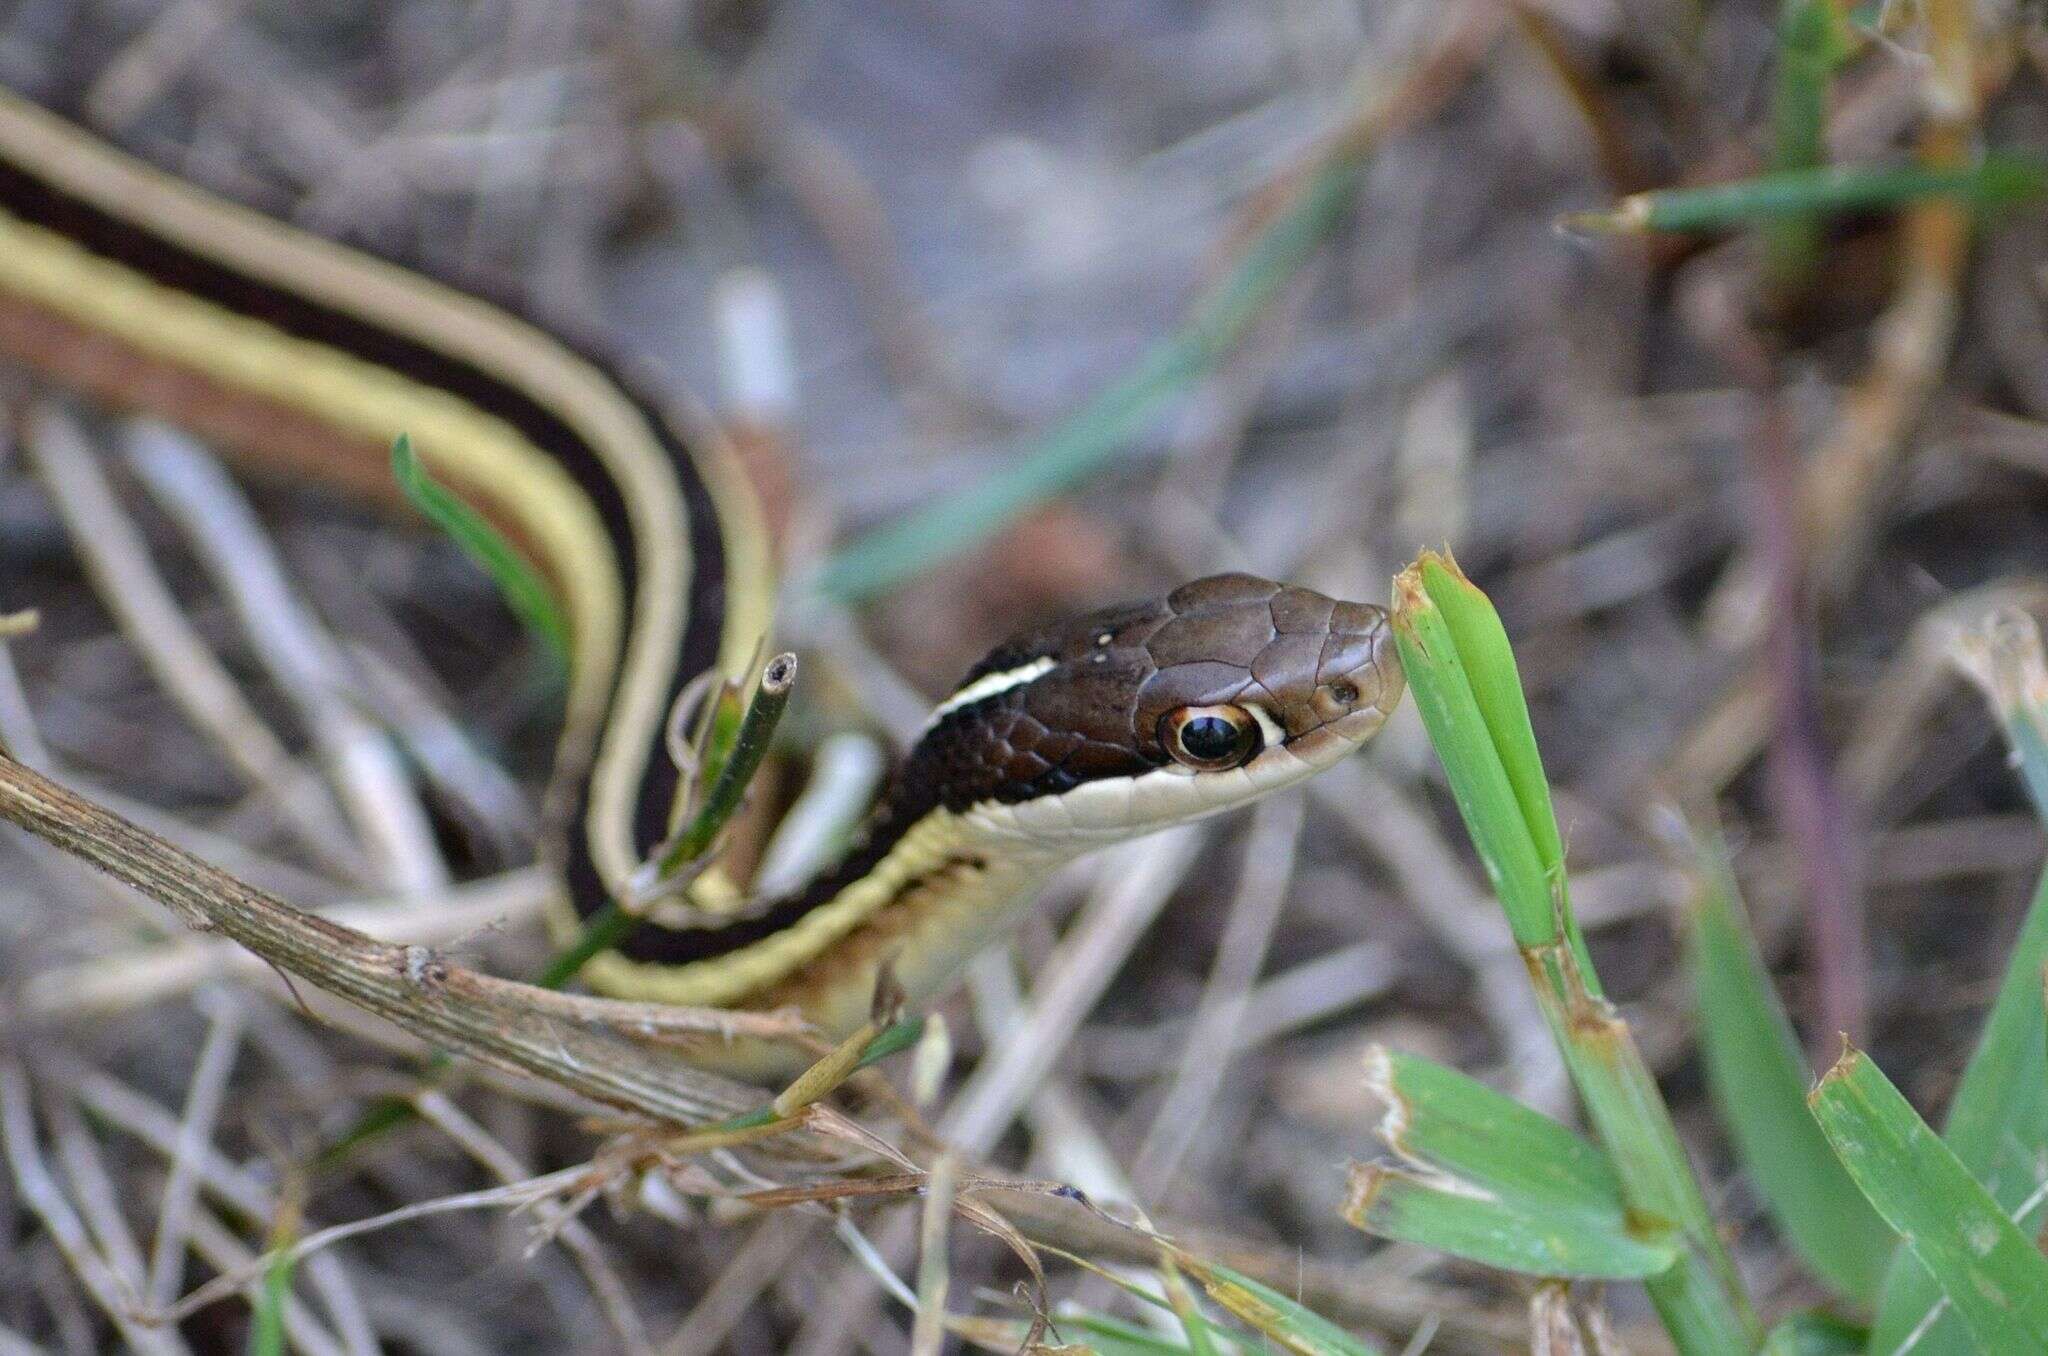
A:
(1701, 1299)
(736, 770)
(1997, 180)
(2000, 651)
(1997, 1127)
(1462, 671)
(1993, 1275)
(884, 1044)
(1480, 1176)
(613, 923)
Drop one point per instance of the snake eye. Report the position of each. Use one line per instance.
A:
(1210, 738)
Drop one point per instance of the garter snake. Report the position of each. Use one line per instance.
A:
(300, 355)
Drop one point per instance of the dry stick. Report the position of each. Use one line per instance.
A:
(125, 981)
(928, 1333)
(516, 1196)
(39, 1191)
(195, 1131)
(192, 676)
(155, 59)
(304, 661)
(758, 1263)
(93, 1190)
(500, 1022)
(1300, 995)
(489, 798)
(122, 1107)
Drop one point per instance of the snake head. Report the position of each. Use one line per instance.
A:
(1136, 717)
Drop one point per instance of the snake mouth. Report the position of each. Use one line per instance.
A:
(1355, 696)
(1332, 741)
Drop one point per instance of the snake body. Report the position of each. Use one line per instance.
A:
(300, 355)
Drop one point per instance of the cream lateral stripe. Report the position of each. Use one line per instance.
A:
(523, 356)
(925, 847)
(485, 455)
(989, 685)
(459, 326)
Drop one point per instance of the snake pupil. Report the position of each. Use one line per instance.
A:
(1208, 739)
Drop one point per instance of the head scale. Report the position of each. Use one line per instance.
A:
(1153, 713)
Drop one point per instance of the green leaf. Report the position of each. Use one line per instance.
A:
(1484, 1178)
(1993, 1275)
(1287, 1322)
(529, 598)
(1759, 1079)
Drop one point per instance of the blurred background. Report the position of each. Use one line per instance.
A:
(1278, 287)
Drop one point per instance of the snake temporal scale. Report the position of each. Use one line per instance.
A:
(299, 355)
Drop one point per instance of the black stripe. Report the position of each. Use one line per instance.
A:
(131, 244)
(910, 798)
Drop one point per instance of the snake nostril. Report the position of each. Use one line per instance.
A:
(1344, 692)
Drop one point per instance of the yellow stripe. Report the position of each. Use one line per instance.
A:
(738, 975)
(461, 327)
(487, 457)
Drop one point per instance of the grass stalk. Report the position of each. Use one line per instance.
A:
(1999, 179)
(730, 764)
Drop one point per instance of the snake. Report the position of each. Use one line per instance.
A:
(300, 356)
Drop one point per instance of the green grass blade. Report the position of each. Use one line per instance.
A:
(266, 1332)
(1811, 43)
(1488, 660)
(1461, 670)
(1997, 1124)
(1114, 1337)
(1480, 1176)
(1201, 1334)
(1446, 697)
(1075, 449)
(1994, 1277)
(1999, 179)
(1287, 1323)
(1759, 1079)
(529, 598)
(1815, 1334)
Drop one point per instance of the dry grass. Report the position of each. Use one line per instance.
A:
(977, 217)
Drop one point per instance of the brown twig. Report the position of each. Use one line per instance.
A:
(499, 1022)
